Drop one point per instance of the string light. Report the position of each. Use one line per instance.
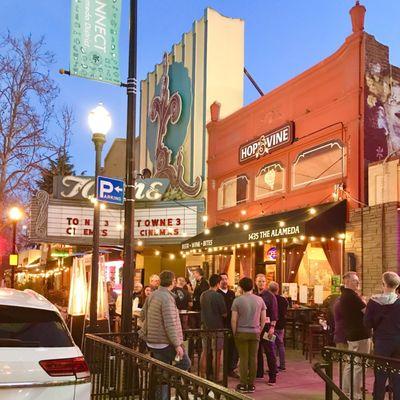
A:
(225, 248)
(232, 247)
(312, 211)
(278, 240)
(332, 238)
(227, 223)
(205, 218)
(238, 246)
(209, 250)
(172, 256)
(246, 227)
(342, 236)
(206, 231)
(302, 237)
(269, 241)
(140, 243)
(323, 239)
(102, 206)
(312, 238)
(285, 240)
(260, 242)
(252, 244)
(281, 223)
(237, 225)
(246, 246)
(157, 252)
(295, 240)
(243, 212)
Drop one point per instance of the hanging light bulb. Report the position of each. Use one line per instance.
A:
(237, 225)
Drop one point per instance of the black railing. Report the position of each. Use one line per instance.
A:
(215, 342)
(121, 373)
(345, 371)
(214, 345)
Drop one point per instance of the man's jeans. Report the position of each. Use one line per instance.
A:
(280, 347)
(168, 355)
(269, 348)
(359, 346)
(387, 348)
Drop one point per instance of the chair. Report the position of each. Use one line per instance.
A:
(314, 341)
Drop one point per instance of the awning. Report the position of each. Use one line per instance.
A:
(325, 220)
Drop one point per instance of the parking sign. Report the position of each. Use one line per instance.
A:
(110, 190)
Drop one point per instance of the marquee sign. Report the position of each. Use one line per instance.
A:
(267, 143)
(71, 222)
(82, 188)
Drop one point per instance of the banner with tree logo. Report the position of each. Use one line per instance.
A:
(94, 52)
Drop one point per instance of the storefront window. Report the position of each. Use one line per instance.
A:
(233, 191)
(269, 180)
(326, 161)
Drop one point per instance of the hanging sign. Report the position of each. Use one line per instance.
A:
(266, 143)
(94, 52)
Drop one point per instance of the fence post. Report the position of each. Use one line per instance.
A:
(328, 388)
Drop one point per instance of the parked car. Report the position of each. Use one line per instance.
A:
(38, 358)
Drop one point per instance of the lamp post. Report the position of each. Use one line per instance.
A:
(99, 123)
(15, 215)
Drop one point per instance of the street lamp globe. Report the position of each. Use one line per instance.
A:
(15, 214)
(99, 120)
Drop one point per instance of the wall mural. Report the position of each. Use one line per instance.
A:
(166, 145)
(382, 112)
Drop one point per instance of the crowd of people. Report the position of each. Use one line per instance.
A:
(256, 315)
(359, 325)
(256, 318)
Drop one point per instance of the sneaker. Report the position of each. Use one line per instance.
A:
(271, 382)
(241, 388)
(251, 388)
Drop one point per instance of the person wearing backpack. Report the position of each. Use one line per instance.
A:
(383, 316)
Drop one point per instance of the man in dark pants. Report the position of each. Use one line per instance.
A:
(201, 286)
(229, 296)
(268, 333)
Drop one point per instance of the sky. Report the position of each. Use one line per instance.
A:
(282, 39)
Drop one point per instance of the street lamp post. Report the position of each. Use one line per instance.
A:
(129, 253)
(100, 123)
(15, 215)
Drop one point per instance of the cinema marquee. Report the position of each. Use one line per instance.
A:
(267, 143)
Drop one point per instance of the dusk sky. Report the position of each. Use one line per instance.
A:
(282, 39)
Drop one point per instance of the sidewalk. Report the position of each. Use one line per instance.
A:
(298, 382)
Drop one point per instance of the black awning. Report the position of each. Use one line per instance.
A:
(324, 220)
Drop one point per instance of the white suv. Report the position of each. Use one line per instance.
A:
(38, 358)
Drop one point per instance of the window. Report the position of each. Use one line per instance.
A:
(269, 180)
(30, 327)
(323, 162)
(233, 191)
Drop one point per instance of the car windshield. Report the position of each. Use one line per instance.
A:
(30, 327)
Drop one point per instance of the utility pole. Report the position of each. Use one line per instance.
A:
(129, 252)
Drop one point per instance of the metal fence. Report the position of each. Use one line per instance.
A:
(358, 369)
(214, 343)
(121, 373)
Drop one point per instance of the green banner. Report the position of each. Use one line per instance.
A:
(94, 39)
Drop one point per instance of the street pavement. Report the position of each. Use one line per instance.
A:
(298, 382)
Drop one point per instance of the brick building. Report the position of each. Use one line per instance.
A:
(288, 173)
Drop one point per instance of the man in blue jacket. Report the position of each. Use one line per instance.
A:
(383, 316)
(268, 333)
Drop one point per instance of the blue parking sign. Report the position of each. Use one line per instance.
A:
(110, 190)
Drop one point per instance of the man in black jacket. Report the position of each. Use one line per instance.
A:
(352, 307)
(201, 286)
(383, 316)
(229, 296)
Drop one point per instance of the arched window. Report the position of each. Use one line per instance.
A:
(323, 162)
(269, 180)
(233, 191)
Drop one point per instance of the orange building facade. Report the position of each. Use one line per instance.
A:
(297, 158)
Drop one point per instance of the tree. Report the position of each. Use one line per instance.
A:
(27, 110)
(61, 166)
